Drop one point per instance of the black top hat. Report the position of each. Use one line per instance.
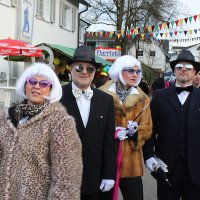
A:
(185, 55)
(85, 54)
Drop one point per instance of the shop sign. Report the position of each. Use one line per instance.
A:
(110, 54)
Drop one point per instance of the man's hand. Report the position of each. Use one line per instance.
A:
(106, 185)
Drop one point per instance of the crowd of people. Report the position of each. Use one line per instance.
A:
(78, 142)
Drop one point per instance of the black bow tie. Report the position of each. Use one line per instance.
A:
(181, 89)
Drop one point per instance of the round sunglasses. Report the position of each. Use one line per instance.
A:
(80, 68)
(180, 66)
(42, 84)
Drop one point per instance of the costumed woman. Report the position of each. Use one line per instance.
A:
(40, 150)
(133, 126)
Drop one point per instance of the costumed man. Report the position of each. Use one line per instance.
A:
(133, 126)
(93, 111)
(175, 138)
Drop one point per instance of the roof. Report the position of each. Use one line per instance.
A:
(84, 2)
(69, 52)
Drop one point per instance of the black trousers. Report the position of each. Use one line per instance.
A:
(89, 197)
(131, 188)
(182, 186)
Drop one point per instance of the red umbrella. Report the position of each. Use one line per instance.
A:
(10, 47)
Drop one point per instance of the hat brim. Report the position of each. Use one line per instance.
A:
(194, 63)
(96, 65)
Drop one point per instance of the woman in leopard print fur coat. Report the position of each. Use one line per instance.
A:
(40, 151)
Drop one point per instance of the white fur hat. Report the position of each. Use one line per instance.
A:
(123, 62)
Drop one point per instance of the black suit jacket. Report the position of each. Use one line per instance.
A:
(166, 117)
(99, 146)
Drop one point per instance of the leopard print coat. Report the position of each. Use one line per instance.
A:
(40, 159)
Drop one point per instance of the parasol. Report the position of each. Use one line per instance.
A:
(11, 47)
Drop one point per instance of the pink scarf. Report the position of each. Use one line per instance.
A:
(119, 164)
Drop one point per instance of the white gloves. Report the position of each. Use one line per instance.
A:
(132, 127)
(106, 185)
(151, 164)
(121, 133)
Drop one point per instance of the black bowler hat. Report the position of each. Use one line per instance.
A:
(85, 54)
(185, 55)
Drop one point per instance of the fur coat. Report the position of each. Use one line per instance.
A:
(132, 162)
(41, 158)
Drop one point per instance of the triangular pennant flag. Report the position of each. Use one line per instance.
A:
(177, 21)
(195, 31)
(142, 36)
(164, 25)
(145, 28)
(190, 31)
(128, 31)
(175, 32)
(160, 26)
(152, 28)
(195, 17)
(166, 34)
(172, 23)
(147, 35)
(118, 35)
(190, 19)
(157, 34)
(136, 31)
(171, 34)
(133, 36)
(128, 36)
(149, 29)
(132, 31)
(161, 34)
(186, 19)
(168, 23)
(181, 22)
(185, 32)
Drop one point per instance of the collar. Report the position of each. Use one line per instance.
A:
(75, 87)
(112, 88)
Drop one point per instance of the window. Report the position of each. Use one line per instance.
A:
(140, 53)
(46, 10)
(152, 53)
(67, 17)
(5, 2)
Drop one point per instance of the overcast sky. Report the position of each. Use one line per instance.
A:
(192, 5)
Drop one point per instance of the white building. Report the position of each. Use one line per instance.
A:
(35, 22)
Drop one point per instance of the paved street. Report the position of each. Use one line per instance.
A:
(149, 187)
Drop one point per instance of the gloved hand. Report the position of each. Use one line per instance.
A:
(151, 164)
(121, 133)
(106, 185)
(132, 127)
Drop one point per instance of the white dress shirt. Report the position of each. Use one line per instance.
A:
(83, 105)
(183, 95)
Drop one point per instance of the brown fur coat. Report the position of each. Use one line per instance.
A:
(40, 159)
(131, 107)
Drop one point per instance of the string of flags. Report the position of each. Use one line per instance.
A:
(174, 30)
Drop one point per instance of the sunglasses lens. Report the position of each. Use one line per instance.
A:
(90, 70)
(44, 84)
(32, 81)
(78, 68)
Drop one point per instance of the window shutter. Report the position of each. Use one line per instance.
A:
(52, 14)
(74, 19)
(14, 3)
(61, 13)
(37, 7)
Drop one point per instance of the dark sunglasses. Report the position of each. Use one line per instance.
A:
(180, 66)
(33, 82)
(89, 69)
(132, 71)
